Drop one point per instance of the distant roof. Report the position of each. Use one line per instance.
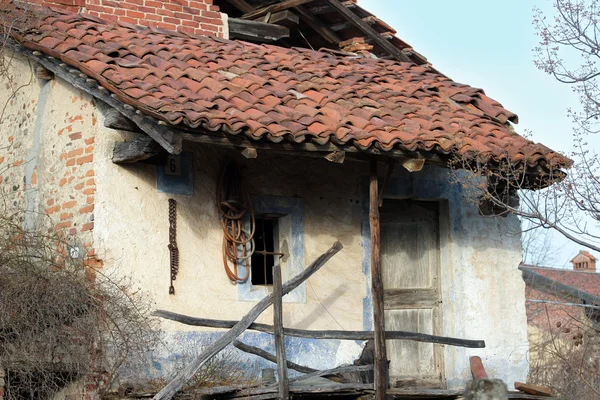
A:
(263, 92)
(588, 282)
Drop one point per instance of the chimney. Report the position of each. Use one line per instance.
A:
(199, 17)
(584, 261)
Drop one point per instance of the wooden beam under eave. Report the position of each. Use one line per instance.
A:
(256, 31)
(381, 366)
(139, 149)
(369, 31)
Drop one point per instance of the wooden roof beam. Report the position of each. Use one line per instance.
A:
(319, 26)
(284, 5)
(368, 30)
(254, 30)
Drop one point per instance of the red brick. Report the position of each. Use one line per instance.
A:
(71, 162)
(75, 136)
(87, 227)
(85, 159)
(90, 173)
(89, 141)
(50, 202)
(64, 216)
(69, 204)
(90, 200)
(79, 186)
(135, 14)
(90, 182)
(75, 153)
(89, 191)
(63, 225)
(171, 20)
(52, 210)
(86, 209)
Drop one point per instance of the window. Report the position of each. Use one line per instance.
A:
(280, 223)
(265, 250)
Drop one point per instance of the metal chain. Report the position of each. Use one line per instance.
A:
(173, 250)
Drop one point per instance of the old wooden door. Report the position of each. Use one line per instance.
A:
(410, 261)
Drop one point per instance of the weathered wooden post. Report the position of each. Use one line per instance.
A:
(282, 372)
(381, 366)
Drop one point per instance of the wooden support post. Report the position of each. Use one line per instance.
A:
(210, 351)
(381, 370)
(282, 373)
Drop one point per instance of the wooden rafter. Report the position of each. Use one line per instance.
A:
(319, 26)
(284, 5)
(368, 30)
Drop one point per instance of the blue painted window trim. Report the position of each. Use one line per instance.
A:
(294, 263)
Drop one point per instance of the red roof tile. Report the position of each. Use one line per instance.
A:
(274, 93)
(587, 281)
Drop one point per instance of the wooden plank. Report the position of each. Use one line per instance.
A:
(187, 373)
(329, 334)
(369, 31)
(283, 5)
(333, 371)
(140, 148)
(268, 356)
(306, 147)
(533, 389)
(284, 18)
(410, 298)
(319, 26)
(282, 373)
(381, 373)
(253, 30)
(115, 120)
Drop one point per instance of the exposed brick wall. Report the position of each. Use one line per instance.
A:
(199, 17)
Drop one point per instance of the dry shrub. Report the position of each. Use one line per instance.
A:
(61, 318)
(565, 354)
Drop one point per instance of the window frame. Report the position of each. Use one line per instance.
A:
(291, 242)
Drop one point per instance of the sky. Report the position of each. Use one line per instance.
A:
(489, 44)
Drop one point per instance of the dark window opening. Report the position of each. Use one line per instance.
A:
(264, 256)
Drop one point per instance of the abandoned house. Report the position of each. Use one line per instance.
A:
(193, 145)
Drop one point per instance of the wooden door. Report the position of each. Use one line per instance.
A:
(410, 262)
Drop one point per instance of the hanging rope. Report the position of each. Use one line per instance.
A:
(233, 203)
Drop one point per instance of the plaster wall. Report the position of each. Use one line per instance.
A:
(482, 290)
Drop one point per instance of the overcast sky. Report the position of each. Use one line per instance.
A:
(488, 44)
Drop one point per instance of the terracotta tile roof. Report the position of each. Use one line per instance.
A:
(587, 281)
(273, 93)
